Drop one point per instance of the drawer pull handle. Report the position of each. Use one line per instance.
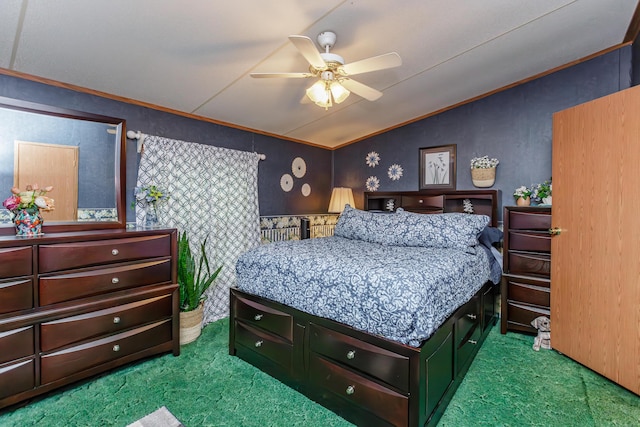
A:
(116, 319)
(474, 342)
(114, 252)
(351, 354)
(257, 317)
(350, 390)
(116, 347)
(420, 201)
(115, 280)
(472, 316)
(259, 343)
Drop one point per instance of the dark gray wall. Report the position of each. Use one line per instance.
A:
(514, 126)
(280, 153)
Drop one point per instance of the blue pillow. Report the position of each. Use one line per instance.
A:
(370, 227)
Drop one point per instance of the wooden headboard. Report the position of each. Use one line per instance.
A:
(483, 202)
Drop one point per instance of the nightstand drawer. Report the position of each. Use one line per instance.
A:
(65, 287)
(264, 317)
(17, 377)
(519, 220)
(387, 404)
(16, 262)
(55, 366)
(522, 315)
(533, 242)
(529, 291)
(16, 295)
(377, 362)
(268, 345)
(66, 256)
(528, 263)
(69, 330)
(16, 344)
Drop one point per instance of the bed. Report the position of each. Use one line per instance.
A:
(381, 321)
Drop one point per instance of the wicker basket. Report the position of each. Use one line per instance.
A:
(483, 177)
(191, 324)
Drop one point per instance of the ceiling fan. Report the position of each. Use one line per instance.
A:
(334, 76)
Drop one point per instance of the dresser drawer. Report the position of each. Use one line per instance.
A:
(264, 317)
(16, 295)
(521, 315)
(527, 241)
(66, 256)
(16, 262)
(268, 345)
(519, 220)
(428, 203)
(17, 377)
(16, 344)
(73, 360)
(528, 263)
(377, 362)
(65, 287)
(69, 330)
(385, 403)
(528, 291)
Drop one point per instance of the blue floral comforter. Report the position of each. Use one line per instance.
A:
(401, 293)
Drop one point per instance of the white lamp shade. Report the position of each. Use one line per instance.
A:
(339, 198)
(339, 92)
(318, 93)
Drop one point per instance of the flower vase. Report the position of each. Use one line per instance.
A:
(151, 217)
(546, 200)
(523, 201)
(28, 222)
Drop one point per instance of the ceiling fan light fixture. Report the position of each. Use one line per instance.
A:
(339, 92)
(318, 93)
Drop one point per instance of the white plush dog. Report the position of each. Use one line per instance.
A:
(543, 325)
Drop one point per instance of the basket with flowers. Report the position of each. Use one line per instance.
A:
(483, 171)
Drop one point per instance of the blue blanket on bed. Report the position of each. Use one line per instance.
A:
(403, 293)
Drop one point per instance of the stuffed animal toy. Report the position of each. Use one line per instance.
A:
(543, 325)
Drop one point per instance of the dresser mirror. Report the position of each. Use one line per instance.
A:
(82, 155)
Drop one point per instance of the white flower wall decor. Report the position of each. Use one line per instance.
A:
(372, 159)
(395, 172)
(373, 183)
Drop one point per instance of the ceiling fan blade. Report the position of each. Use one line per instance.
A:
(380, 62)
(360, 89)
(308, 49)
(284, 75)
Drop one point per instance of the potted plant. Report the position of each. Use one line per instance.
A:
(542, 192)
(194, 278)
(483, 171)
(522, 195)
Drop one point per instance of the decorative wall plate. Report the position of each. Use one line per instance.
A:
(298, 167)
(286, 182)
(306, 190)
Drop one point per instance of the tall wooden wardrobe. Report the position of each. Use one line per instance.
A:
(595, 265)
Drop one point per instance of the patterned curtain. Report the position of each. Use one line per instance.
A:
(213, 194)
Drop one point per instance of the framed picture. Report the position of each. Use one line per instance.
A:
(438, 168)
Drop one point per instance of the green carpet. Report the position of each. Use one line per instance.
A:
(508, 384)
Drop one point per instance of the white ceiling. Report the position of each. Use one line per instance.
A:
(196, 56)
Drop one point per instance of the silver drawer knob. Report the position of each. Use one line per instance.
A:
(351, 354)
(474, 342)
(472, 316)
(257, 317)
(350, 390)
(116, 347)
(116, 319)
(115, 280)
(114, 252)
(259, 343)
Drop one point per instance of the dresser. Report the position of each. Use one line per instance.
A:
(526, 283)
(73, 305)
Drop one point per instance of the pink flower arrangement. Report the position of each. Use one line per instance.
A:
(33, 198)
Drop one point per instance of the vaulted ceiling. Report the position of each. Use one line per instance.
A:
(195, 57)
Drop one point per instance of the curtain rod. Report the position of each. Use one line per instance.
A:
(141, 136)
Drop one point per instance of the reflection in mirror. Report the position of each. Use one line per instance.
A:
(79, 154)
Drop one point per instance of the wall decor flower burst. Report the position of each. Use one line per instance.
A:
(373, 183)
(372, 159)
(395, 172)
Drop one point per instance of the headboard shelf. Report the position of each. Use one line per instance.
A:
(483, 202)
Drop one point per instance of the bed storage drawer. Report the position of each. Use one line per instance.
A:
(17, 377)
(385, 403)
(65, 287)
(69, 361)
(59, 333)
(377, 362)
(432, 204)
(268, 345)
(16, 262)
(65, 256)
(264, 317)
(16, 344)
(16, 295)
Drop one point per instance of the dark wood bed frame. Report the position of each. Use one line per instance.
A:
(366, 379)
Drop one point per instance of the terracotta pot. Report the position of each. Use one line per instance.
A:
(523, 202)
(191, 324)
